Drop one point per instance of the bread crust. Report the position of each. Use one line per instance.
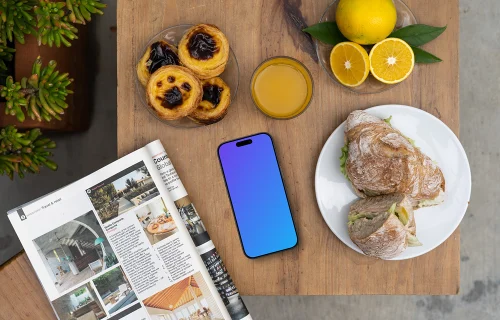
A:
(390, 238)
(383, 161)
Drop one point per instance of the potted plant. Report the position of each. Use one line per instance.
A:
(40, 96)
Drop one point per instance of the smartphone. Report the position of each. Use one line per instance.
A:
(257, 194)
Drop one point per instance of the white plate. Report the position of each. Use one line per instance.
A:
(434, 224)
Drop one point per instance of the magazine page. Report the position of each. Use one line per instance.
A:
(114, 246)
(191, 219)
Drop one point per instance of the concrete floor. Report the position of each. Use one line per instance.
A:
(80, 154)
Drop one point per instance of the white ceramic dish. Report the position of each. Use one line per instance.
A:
(434, 224)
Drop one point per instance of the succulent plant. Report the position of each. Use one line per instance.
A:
(6, 55)
(41, 96)
(51, 21)
(24, 152)
(17, 19)
(53, 24)
(81, 10)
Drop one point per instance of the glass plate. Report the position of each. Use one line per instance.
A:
(173, 36)
(371, 85)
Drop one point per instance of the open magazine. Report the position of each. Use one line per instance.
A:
(126, 242)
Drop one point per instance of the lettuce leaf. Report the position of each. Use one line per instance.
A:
(388, 120)
(413, 241)
(392, 209)
(343, 159)
(411, 141)
(360, 215)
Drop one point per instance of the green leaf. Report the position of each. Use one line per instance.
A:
(413, 241)
(422, 56)
(417, 34)
(392, 209)
(343, 159)
(326, 32)
(388, 120)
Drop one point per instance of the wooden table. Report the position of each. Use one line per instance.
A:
(321, 264)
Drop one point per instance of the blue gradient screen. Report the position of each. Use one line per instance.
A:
(257, 195)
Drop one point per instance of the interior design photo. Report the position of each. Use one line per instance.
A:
(75, 251)
(79, 304)
(122, 192)
(114, 289)
(156, 221)
(224, 284)
(188, 299)
(192, 221)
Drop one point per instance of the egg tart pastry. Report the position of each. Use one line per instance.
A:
(159, 54)
(205, 50)
(173, 92)
(214, 104)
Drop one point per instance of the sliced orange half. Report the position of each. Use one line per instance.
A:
(350, 63)
(391, 60)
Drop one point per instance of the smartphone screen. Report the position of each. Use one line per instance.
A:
(257, 195)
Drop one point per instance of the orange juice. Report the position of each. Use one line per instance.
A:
(282, 87)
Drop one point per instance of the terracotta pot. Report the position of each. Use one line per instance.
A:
(73, 60)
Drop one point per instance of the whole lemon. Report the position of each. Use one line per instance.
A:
(366, 21)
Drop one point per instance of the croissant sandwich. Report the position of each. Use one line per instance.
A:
(381, 160)
(383, 226)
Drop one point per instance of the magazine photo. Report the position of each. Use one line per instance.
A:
(80, 303)
(189, 298)
(224, 284)
(127, 243)
(192, 221)
(122, 192)
(75, 251)
(156, 221)
(114, 290)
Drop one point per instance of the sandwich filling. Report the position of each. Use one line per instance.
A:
(343, 159)
(363, 224)
(433, 202)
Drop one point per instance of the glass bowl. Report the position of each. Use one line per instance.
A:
(173, 35)
(371, 85)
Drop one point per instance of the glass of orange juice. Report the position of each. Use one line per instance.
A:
(281, 87)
